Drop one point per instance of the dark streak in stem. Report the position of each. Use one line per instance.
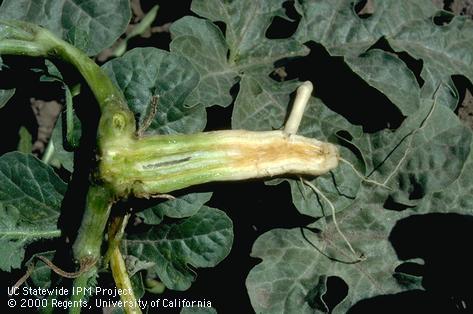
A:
(166, 163)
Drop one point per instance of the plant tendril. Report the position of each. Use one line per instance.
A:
(86, 264)
(23, 278)
(334, 219)
(362, 177)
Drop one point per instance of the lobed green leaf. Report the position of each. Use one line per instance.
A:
(146, 73)
(425, 154)
(407, 26)
(335, 24)
(180, 207)
(454, 198)
(244, 54)
(202, 43)
(292, 278)
(202, 240)
(30, 201)
(387, 73)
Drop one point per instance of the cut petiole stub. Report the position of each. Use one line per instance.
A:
(302, 98)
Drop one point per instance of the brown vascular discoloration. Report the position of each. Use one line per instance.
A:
(166, 163)
(291, 154)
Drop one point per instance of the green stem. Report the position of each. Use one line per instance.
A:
(90, 234)
(21, 38)
(48, 152)
(69, 118)
(79, 295)
(87, 246)
(122, 281)
(116, 121)
(116, 230)
(138, 29)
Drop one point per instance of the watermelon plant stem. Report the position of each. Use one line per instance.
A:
(149, 165)
(87, 245)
